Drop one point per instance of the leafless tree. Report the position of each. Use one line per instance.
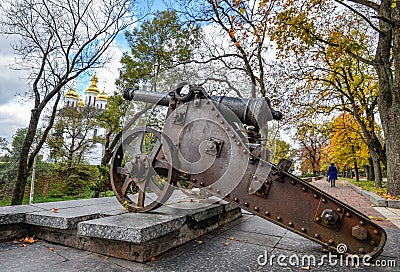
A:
(59, 40)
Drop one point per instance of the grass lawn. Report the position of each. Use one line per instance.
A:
(42, 199)
(370, 186)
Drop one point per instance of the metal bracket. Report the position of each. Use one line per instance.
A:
(214, 147)
(180, 115)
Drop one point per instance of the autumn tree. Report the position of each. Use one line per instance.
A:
(58, 42)
(313, 140)
(347, 145)
(305, 25)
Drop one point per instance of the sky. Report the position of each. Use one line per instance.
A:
(15, 109)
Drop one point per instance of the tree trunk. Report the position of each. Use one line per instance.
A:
(23, 167)
(377, 170)
(356, 171)
(388, 71)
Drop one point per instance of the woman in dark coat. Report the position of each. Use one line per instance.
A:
(332, 174)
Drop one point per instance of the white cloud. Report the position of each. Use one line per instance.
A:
(14, 115)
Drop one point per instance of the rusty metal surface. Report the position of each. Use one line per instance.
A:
(205, 144)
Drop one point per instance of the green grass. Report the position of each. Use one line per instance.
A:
(370, 186)
(42, 199)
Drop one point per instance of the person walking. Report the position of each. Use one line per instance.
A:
(332, 174)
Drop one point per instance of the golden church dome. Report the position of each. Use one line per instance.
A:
(102, 96)
(93, 87)
(71, 93)
(81, 103)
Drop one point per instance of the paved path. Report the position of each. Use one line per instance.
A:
(349, 196)
(238, 246)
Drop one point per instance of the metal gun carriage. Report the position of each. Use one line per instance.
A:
(203, 144)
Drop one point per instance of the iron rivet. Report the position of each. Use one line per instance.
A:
(375, 248)
(218, 191)
(194, 180)
(202, 183)
(348, 214)
(316, 235)
(324, 200)
(233, 136)
(372, 243)
(263, 194)
(376, 232)
(339, 210)
(236, 199)
(303, 229)
(221, 121)
(293, 182)
(145, 166)
(238, 143)
(217, 115)
(331, 242)
(212, 109)
(279, 218)
(318, 219)
(304, 189)
(315, 196)
(244, 151)
(144, 159)
(256, 209)
(227, 128)
(267, 213)
(361, 250)
(246, 204)
(260, 164)
(362, 223)
(291, 224)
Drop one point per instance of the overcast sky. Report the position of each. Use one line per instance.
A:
(15, 108)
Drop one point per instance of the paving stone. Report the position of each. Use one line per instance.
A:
(67, 218)
(131, 227)
(261, 226)
(15, 214)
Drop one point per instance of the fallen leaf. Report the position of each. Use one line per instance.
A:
(199, 242)
(106, 257)
(23, 245)
(54, 210)
(305, 268)
(188, 200)
(51, 248)
(231, 238)
(153, 259)
(15, 242)
(226, 244)
(30, 240)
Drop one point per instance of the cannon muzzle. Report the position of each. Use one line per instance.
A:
(251, 111)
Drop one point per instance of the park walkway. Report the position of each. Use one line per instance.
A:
(346, 194)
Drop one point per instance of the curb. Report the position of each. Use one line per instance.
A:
(377, 200)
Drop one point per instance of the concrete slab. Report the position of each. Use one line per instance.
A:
(132, 227)
(68, 216)
(390, 214)
(16, 214)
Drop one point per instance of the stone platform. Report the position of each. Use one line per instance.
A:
(103, 226)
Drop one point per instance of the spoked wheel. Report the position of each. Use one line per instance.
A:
(139, 165)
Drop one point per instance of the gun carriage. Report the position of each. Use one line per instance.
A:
(204, 144)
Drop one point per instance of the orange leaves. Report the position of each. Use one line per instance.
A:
(237, 44)
(54, 210)
(232, 33)
(23, 242)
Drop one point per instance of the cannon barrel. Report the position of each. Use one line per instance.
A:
(251, 111)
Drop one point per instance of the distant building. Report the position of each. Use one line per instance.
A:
(97, 100)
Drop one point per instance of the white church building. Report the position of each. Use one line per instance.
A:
(95, 99)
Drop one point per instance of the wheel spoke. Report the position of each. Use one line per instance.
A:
(141, 197)
(125, 186)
